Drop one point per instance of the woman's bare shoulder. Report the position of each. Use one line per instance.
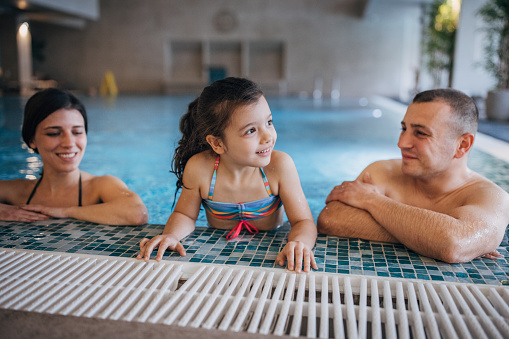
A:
(15, 191)
(100, 180)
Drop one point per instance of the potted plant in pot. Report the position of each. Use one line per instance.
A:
(495, 14)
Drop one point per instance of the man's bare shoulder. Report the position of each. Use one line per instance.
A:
(480, 186)
(384, 169)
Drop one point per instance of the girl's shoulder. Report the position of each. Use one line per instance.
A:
(279, 160)
(202, 161)
(199, 168)
(281, 165)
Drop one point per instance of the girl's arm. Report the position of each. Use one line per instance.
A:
(120, 206)
(182, 221)
(302, 236)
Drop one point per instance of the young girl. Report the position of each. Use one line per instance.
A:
(227, 162)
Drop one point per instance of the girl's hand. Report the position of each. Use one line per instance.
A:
(16, 213)
(295, 252)
(164, 241)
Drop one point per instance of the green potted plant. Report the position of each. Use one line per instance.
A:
(439, 40)
(495, 14)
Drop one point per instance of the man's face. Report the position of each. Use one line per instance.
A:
(427, 141)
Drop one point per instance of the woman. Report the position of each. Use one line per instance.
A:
(55, 127)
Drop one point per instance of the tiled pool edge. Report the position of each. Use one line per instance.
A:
(207, 245)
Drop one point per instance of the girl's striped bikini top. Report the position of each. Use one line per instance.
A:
(242, 211)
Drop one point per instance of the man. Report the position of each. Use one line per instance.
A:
(429, 200)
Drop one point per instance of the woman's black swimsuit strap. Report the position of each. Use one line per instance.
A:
(37, 185)
(35, 189)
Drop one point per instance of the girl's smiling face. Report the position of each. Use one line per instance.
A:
(250, 137)
(61, 140)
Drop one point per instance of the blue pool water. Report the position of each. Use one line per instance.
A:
(133, 138)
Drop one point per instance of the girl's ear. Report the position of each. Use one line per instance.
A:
(216, 144)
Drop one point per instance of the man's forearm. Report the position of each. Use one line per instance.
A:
(427, 232)
(350, 222)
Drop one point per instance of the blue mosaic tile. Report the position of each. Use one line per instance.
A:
(207, 245)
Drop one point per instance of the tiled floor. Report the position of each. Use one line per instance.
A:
(206, 245)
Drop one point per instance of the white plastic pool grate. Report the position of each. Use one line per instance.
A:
(252, 300)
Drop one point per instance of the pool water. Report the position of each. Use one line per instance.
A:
(133, 138)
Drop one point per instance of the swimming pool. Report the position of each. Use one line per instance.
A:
(133, 137)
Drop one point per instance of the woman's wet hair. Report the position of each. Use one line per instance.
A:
(44, 103)
(210, 114)
(463, 108)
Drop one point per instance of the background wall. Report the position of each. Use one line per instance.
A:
(374, 52)
(469, 75)
(364, 47)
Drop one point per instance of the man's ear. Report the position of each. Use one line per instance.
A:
(216, 144)
(465, 143)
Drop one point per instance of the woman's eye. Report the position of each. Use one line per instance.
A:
(52, 134)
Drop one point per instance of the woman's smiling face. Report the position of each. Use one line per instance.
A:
(61, 140)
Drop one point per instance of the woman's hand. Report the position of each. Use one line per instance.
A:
(163, 241)
(295, 253)
(18, 213)
(55, 212)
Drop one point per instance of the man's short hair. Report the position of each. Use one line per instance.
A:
(463, 108)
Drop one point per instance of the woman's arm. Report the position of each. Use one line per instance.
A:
(120, 206)
(302, 236)
(11, 195)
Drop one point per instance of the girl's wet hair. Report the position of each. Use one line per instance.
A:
(210, 114)
(44, 103)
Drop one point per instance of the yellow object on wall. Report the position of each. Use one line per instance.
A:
(108, 85)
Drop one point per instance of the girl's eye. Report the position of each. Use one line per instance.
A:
(270, 122)
(250, 131)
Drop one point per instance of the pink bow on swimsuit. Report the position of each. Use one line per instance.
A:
(236, 230)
